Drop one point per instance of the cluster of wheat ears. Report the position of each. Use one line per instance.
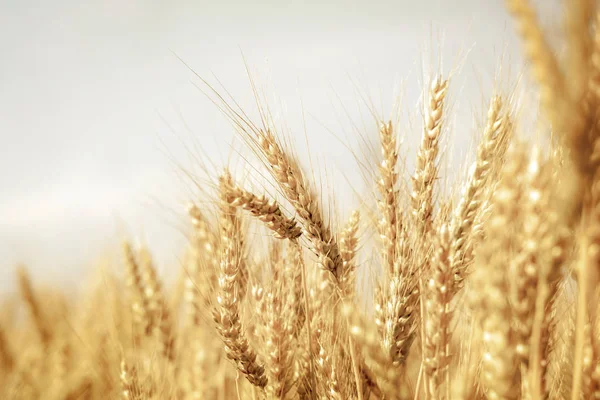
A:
(486, 291)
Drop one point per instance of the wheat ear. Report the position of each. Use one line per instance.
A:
(227, 312)
(426, 168)
(295, 187)
(388, 205)
(492, 147)
(499, 369)
(265, 210)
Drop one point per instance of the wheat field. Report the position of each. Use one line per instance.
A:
(487, 289)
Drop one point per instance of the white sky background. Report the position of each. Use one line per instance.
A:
(83, 85)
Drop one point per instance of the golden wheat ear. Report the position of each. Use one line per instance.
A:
(388, 205)
(297, 190)
(426, 165)
(490, 151)
(266, 211)
(227, 314)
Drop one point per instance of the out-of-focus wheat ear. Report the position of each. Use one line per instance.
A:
(202, 269)
(160, 314)
(588, 271)
(525, 266)
(579, 17)
(138, 300)
(500, 374)
(544, 65)
(426, 165)
(388, 203)
(130, 388)
(592, 99)
(7, 360)
(228, 308)
(536, 275)
(565, 113)
(327, 379)
(61, 361)
(348, 246)
(385, 373)
(301, 195)
(399, 307)
(491, 148)
(591, 359)
(266, 211)
(279, 334)
(295, 266)
(33, 305)
(438, 314)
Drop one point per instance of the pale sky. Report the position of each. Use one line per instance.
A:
(83, 87)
